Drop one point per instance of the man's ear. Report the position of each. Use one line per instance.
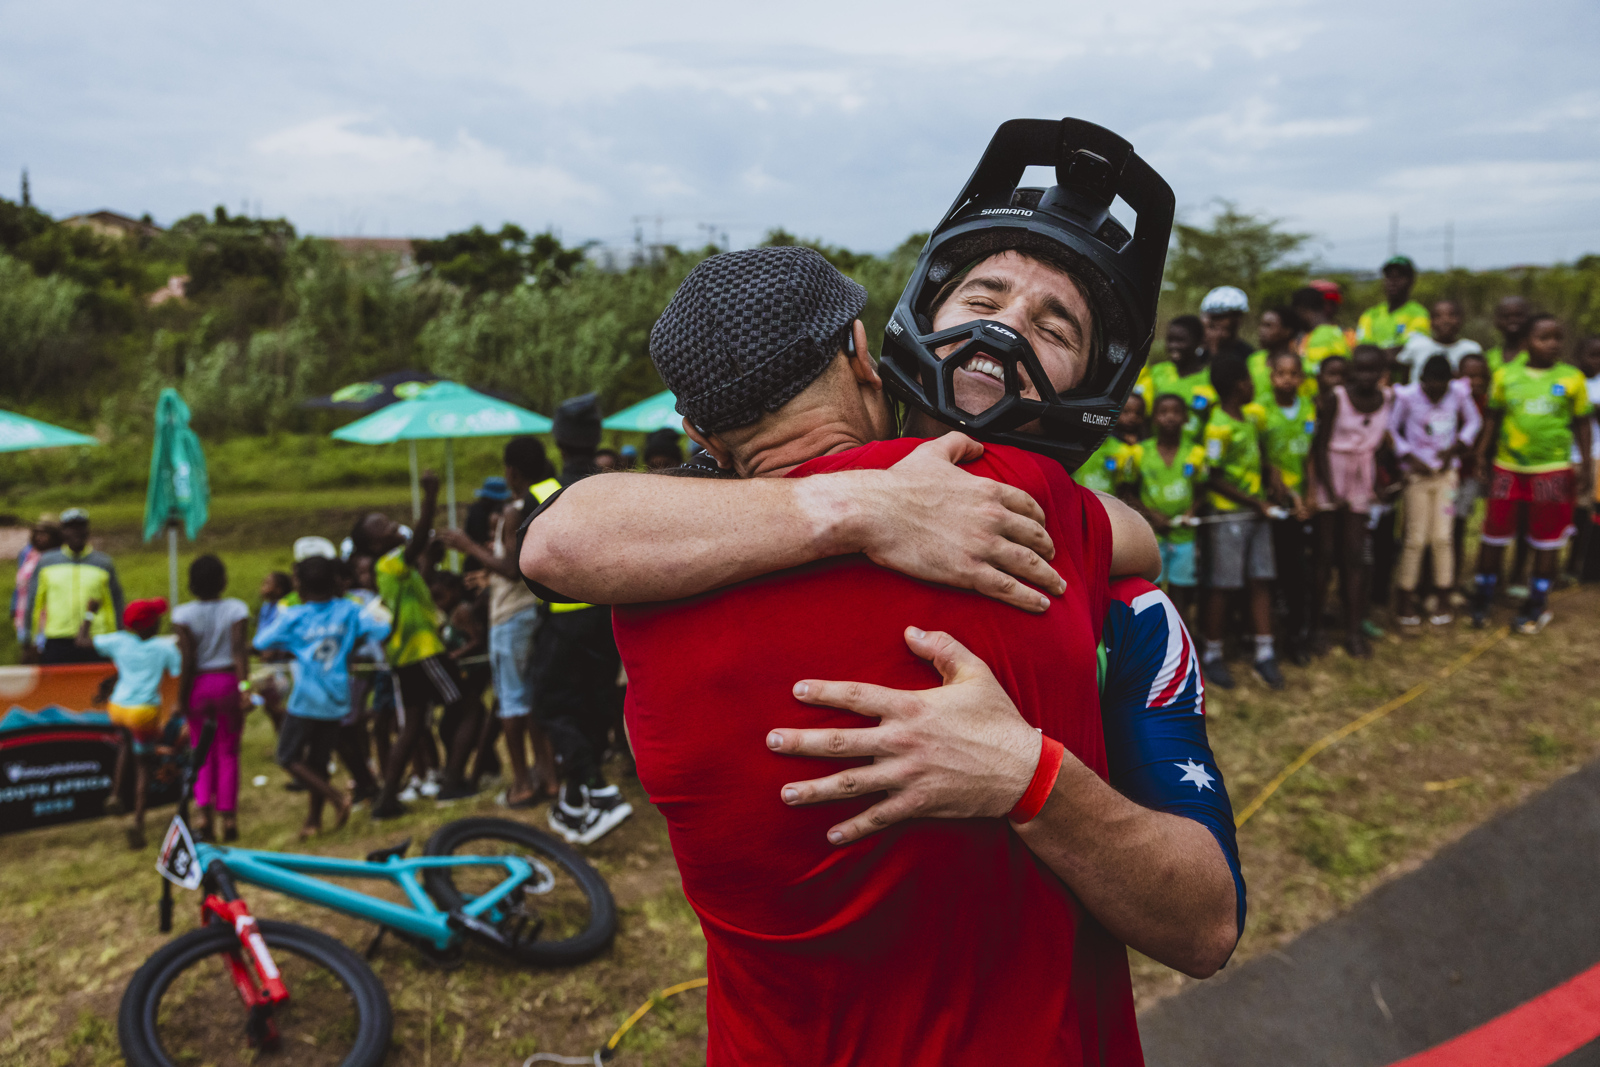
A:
(861, 363)
(712, 444)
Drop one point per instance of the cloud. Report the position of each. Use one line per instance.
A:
(350, 156)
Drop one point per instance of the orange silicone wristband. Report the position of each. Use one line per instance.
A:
(1051, 753)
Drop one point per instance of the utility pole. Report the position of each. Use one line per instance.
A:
(27, 195)
(1394, 235)
(1450, 245)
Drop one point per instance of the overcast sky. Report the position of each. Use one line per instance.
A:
(856, 121)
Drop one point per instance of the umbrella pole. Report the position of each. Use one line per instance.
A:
(450, 493)
(416, 486)
(172, 563)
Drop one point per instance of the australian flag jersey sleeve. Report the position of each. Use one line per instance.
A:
(1152, 704)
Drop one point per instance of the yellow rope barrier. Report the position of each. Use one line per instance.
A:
(1366, 720)
(644, 1009)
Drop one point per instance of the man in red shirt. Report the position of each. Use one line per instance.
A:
(933, 941)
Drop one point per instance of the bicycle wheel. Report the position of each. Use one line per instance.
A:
(182, 1008)
(565, 915)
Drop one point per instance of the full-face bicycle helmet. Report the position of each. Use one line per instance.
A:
(1068, 226)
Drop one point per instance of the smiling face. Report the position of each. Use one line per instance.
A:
(1041, 303)
(1446, 319)
(1511, 317)
(1181, 342)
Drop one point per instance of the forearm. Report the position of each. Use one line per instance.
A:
(636, 538)
(420, 536)
(1157, 882)
(504, 566)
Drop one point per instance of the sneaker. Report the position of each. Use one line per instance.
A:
(612, 806)
(598, 814)
(386, 807)
(410, 794)
(1531, 624)
(1267, 670)
(1216, 673)
(430, 785)
(1517, 592)
(1441, 618)
(1371, 629)
(1409, 621)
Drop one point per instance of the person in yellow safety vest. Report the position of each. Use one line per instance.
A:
(66, 581)
(514, 619)
(576, 664)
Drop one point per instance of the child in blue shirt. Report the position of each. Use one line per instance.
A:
(320, 632)
(142, 659)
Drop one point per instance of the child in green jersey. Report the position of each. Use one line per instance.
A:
(1241, 544)
(1323, 338)
(1277, 333)
(1163, 472)
(1291, 423)
(1537, 411)
(1187, 372)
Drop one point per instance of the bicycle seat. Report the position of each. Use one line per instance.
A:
(382, 855)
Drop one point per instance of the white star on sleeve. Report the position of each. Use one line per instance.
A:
(1196, 773)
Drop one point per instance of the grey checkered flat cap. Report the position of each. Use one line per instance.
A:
(747, 331)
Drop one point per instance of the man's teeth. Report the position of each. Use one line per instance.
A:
(979, 365)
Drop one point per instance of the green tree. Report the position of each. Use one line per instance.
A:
(39, 347)
(226, 248)
(483, 262)
(1237, 248)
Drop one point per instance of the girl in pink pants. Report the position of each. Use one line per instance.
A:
(214, 688)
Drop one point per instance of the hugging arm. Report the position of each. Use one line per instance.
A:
(635, 538)
(1162, 881)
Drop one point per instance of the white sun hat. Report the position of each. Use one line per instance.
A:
(1223, 300)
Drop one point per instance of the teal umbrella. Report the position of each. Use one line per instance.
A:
(179, 492)
(659, 412)
(443, 412)
(19, 433)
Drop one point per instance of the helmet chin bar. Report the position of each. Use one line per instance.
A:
(1003, 345)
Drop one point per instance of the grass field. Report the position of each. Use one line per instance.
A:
(77, 910)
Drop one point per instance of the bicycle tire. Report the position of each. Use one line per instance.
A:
(596, 931)
(137, 1026)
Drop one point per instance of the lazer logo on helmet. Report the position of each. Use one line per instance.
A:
(895, 328)
(999, 329)
(1024, 212)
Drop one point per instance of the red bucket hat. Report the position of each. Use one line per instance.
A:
(142, 614)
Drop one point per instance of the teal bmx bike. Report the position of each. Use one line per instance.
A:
(239, 989)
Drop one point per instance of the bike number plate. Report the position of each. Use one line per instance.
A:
(177, 862)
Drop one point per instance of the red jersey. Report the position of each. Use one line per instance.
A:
(932, 942)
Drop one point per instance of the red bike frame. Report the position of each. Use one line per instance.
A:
(258, 983)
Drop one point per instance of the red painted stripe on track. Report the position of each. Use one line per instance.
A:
(1535, 1034)
(91, 734)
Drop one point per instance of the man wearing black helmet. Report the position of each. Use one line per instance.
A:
(575, 666)
(1043, 334)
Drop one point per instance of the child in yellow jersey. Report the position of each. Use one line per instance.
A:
(1290, 426)
(1241, 544)
(1391, 324)
(1322, 337)
(1164, 474)
(1106, 469)
(1278, 331)
(1537, 411)
(1187, 371)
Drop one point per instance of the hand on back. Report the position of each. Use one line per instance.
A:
(930, 519)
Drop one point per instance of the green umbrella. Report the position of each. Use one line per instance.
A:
(659, 412)
(179, 492)
(19, 433)
(443, 412)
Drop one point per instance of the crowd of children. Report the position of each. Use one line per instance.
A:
(375, 653)
(1268, 470)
